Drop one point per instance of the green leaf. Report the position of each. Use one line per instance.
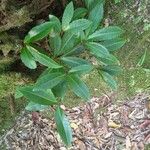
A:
(109, 79)
(114, 44)
(60, 89)
(106, 33)
(28, 59)
(76, 50)
(110, 60)
(67, 16)
(55, 43)
(39, 32)
(42, 58)
(96, 15)
(78, 86)
(43, 97)
(35, 107)
(49, 80)
(88, 3)
(57, 23)
(79, 25)
(117, 1)
(79, 13)
(142, 59)
(63, 126)
(81, 69)
(18, 94)
(74, 61)
(97, 49)
(68, 42)
(112, 70)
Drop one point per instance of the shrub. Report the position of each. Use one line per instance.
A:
(78, 33)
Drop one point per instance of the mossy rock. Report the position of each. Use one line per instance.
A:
(8, 84)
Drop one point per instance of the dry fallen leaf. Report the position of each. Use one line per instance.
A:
(128, 143)
(113, 124)
(74, 126)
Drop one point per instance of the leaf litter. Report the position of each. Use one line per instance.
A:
(98, 125)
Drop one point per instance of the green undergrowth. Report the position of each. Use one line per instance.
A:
(8, 84)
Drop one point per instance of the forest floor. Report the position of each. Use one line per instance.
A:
(98, 125)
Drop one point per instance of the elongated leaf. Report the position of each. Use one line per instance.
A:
(35, 107)
(88, 3)
(57, 23)
(39, 32)
(28, 59)
(109, 79)
(60, 89)
(79, 25)
(81, 69)
(74, 61)
(96, 15)
(63, 126)
(78, 86)
(142, 59)
(110, 60)
(68, 42)
(75, 51)
(67, 16)
(79, 13)
(44, 97)
(97, 49)
(112, 70)
(18, 94)
(42, 58)
(114, 44)
(55, 43)
(107, 33)
(49, 80)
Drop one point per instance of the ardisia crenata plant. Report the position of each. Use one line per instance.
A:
(67, 42)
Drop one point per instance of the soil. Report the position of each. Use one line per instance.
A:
(98, 125)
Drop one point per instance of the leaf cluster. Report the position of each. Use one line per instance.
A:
(78, 32)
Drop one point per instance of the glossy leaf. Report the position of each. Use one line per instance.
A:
(42, 58)
(106, 33)
(79, 13)
(88, 3)
(60, 89)
(68, 42)
(79, 25)
(78, 86)
(49, 80)
(110, 60)
(18, 94)
(28, 59)
(97, 49)
(44, 97)
(39, 32)
(55, 43)
(114, 44)
(74, 61)
(67, 16)
(81, 69)
(63, 126)
(35, 107)
(57, 23)
(96, 15)
(112, 70)
(109, 79)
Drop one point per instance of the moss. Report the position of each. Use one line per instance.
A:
(8, 84)
(5, 63)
